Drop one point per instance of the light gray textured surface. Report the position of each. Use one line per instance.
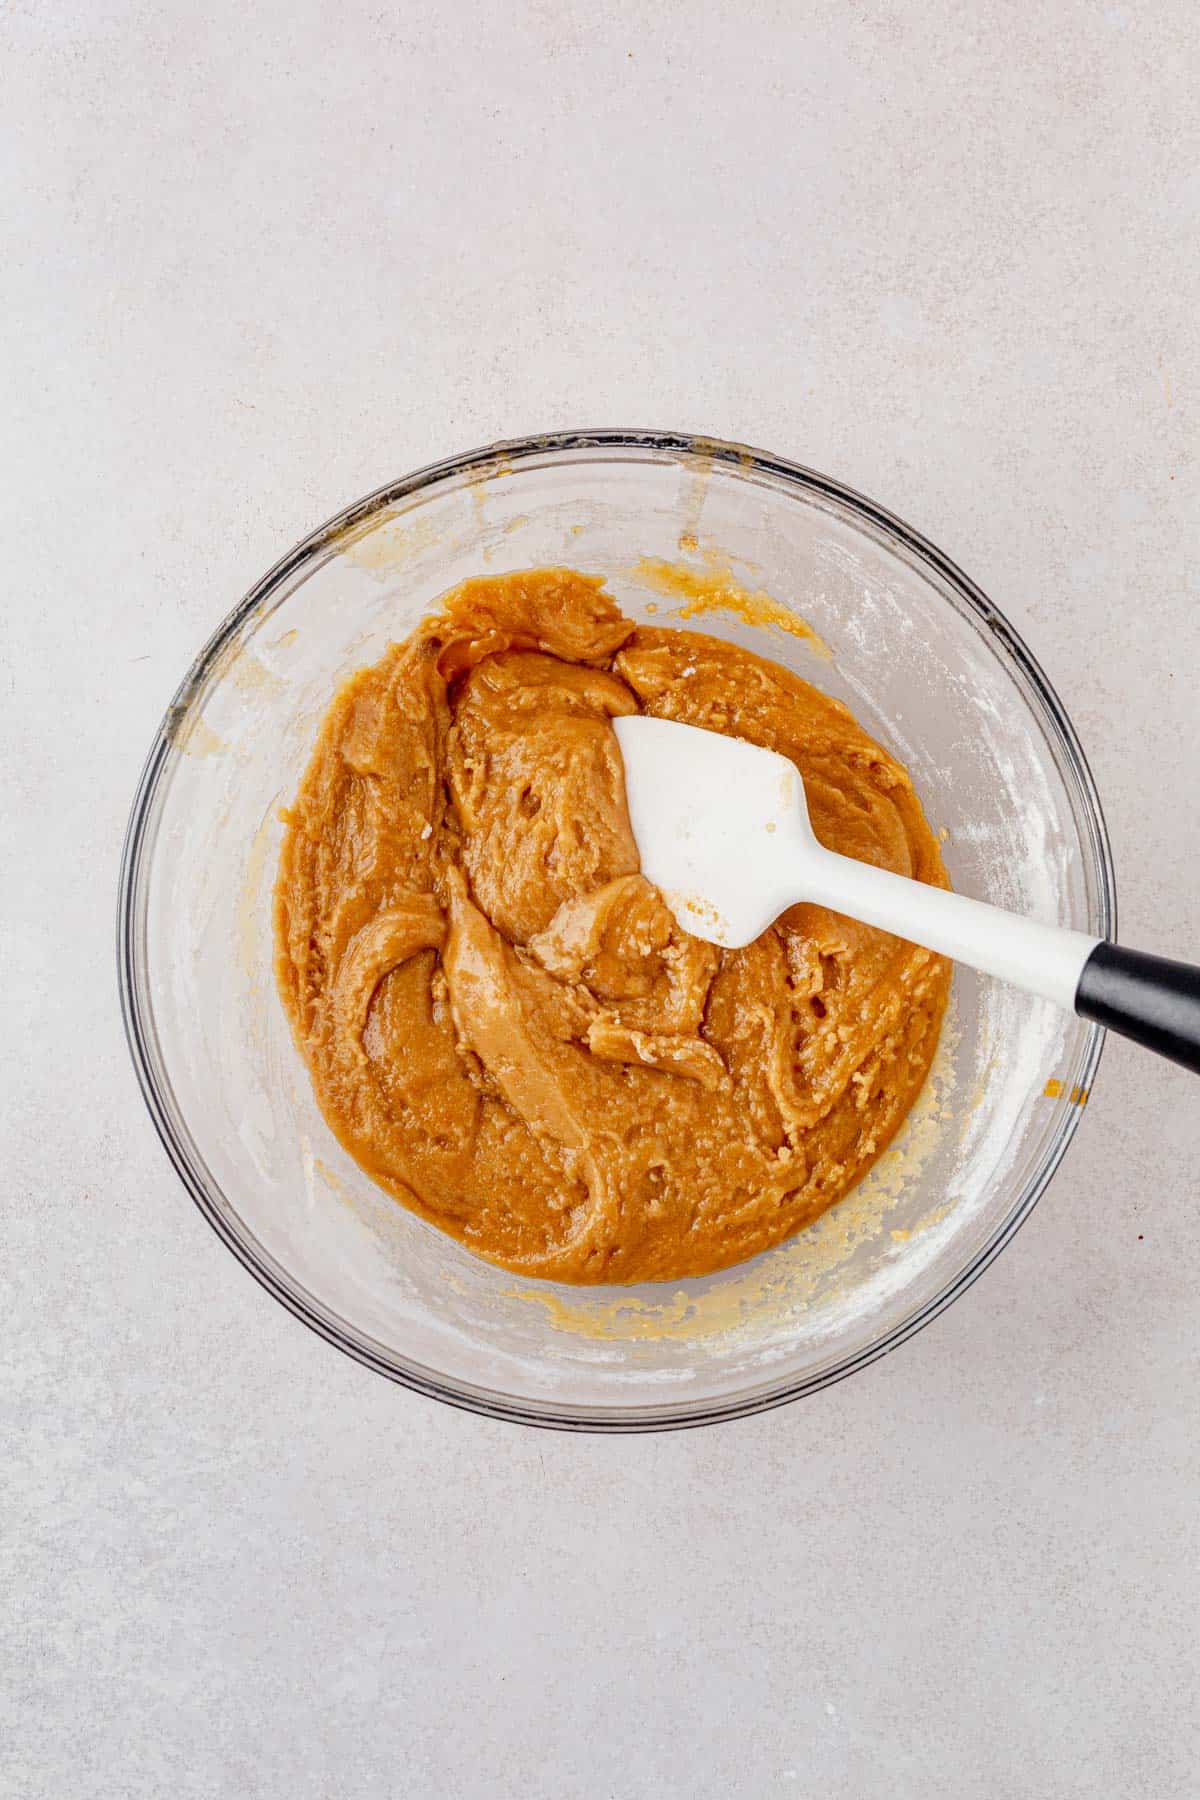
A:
(257, 260)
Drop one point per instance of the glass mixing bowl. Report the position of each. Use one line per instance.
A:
(929, 666)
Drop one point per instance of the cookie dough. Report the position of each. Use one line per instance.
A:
(503, 1024)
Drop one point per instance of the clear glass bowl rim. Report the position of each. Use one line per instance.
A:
(137, 1010)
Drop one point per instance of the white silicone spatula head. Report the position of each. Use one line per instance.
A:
(721, 826)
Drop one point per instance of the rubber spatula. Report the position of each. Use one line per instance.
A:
(722, 829)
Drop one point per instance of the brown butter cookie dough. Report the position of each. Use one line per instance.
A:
(503, 1023)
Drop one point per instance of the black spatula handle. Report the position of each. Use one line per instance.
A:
(1150, 999)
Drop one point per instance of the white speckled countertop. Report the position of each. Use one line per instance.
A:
(258, 259)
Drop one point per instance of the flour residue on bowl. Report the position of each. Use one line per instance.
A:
(252, 676)
(196, 737)
(383, 542)
(252, 918)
